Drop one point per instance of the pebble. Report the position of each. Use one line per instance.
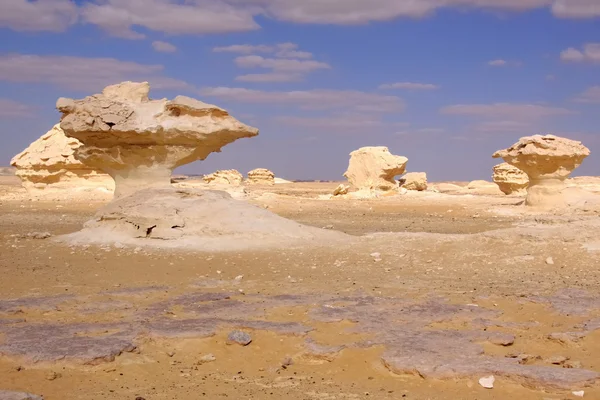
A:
(207, 358)
(579, 393)
(557, 360)
(52, 375)
(170, 353)
(487, 381)
(549, 261)
(573, 364)
(239, 337)
(238, 278)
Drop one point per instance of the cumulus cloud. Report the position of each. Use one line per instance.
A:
(576, 8)
(163, 47)
(591, 95)
(316, 99)
(589, 53)
(44, 15)
(13, 109)
(81, 73)
(506, 111)
(244, 49)
(502, 126)
(270, 77)
(504, 63)
(280, 64)
(409, 86)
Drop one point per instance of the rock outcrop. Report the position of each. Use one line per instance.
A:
(229, 177)
(139, 141)
(341, 190)
(48, 168)
(261, 176)
(414, 181)
(548, 161)
(375, 168)
(511, 180)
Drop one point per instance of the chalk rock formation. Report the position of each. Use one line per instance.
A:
(261, 176)
(139, 141)
(548, 161)
(224, 177)
(414, 181)
(375, 168)
(48, 166)
(341, 190)
(511, 180)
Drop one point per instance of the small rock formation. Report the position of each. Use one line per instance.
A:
(261, 176)
(9, 395)
(375, 168)
(511, 180)
(224, 177)
(548, 161)
(341, 190)
(414, 181)
(139, 141)
(48, 165)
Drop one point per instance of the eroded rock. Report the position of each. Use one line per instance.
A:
(10, 395)
(375, 168)
(414, 181)
(510, 179)
(261, 176)
(224, 177)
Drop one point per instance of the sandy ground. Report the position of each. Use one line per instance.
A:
(465, 280)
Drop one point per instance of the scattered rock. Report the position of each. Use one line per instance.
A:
(414, 181)
(207, 358)
(52, 376)
(510, 179)
(573, 364)
(557, 360)
(527, 358)
(36, 235)
(239, 337)
(341, 190)
(375, 168)
(579, 393)
(487, 382)
(261, 176)
(9, 395)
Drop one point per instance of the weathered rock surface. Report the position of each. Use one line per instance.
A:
(261, 176)
(341, 190)
(48, 165)
(548, 161)
(8, 395)
(375, 168)
(224, 177)
(414, 181)
(511, 180)
(139, 141)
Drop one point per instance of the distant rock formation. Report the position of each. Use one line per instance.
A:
(375, 168)
(548, 161)
(511, 180)
(414, 181)
(261, 176)
(7, 171)
(230, 177)
(48, 168)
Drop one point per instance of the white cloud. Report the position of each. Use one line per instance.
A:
(344, 123)
(81, 73)
(244, 49)
(41, 15)
(502, 126)
(506, 111)
(409, 85)
(316, 99)
(576, 8)
(270, 77)
(163, 47)
(280, 64)
(117, 17)
(13, 109)
(498, 63)
(591, 95)
(589, 53)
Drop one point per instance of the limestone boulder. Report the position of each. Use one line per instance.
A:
(341, 190)
(414, 181)
(261, 176)
(229, 177)
(139, 141)
(548, 161)
(375, 168)
(48, 168)
(511, 180)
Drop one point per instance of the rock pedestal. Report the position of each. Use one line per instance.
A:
(375, 168)
(548, 161)
(511, 180)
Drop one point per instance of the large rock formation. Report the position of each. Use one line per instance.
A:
(48, 169)
(375, 168)
(261, 176)
(139, 141)
(414, 181)
(548, 161)
(511, 180)
(229, 177)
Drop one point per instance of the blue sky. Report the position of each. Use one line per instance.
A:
(442, 82)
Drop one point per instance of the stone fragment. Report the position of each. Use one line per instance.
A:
(261, 176)
(9, 395)
(550, 261)
(375, 168)
(510, 179)
(224, 177)
(578, 393)
(48, 168)
(239, 337)
(487, 382)
(414, 181)
(341, 190)
(207, 358)
(548, 161)
(573, 364)
(557, 360)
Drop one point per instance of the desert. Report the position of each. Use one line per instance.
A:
(384, 285)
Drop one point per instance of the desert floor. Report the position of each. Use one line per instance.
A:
(462, 288)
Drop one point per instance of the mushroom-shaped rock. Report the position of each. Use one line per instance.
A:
(261, 176)
(47, 168)
(511, 180)
(229, 177)
(548, 161)
(139, 141)
(375, 168)
(414, 181)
